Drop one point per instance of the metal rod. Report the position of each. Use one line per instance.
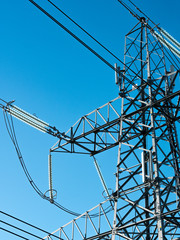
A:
(155, 159)
(50, 178)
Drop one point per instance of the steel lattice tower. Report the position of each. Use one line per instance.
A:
(142, 123)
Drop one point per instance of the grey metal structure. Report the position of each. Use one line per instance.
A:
(141, 122)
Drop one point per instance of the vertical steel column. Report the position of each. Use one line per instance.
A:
(154, 153)
(144, 155)
(117, 171)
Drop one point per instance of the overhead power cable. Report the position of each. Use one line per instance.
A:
(141, 12)
(89, 48)
(11, 132)
(72, 34)
(115, 69)
(85, 45)
(134, 14)
(17, 235)
(20, 229)
(29, 224)
(85, 31)
(99, 56)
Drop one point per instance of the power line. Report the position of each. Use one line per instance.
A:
(73, 35)
(98, 55)
(11, 132)
(17, 235)
(82, 42)
(130, 10)
(88, 47)
(85, 31)
(142, 12)
(29, 224)
(20, 229)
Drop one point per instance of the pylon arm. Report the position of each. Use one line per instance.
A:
(99, 130)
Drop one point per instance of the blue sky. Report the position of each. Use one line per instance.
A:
(48, 73)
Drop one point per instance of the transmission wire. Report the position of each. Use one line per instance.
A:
(11, 132)
(9, 129)
(20, 229)
(29, 224)
(142, 12)
(85, 31)
(73, 35)
(83, 43)
(17, 235)
(88, 47)
(130, 10)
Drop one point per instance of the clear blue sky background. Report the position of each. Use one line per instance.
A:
(48, 73)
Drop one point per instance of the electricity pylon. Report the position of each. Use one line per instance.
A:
(141, 121)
